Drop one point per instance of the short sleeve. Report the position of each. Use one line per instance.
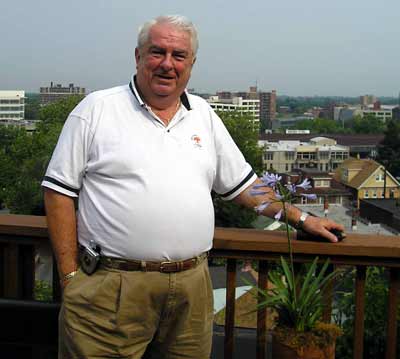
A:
(233, 173)
(69, 160)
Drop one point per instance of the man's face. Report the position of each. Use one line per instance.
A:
(165, 62)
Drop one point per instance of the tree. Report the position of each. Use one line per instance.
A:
(367, 124)
(25, 158)
(389, 148)
(319, 125)
(32, 107)
(245, 135)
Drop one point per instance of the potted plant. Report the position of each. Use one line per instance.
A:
(297, 297)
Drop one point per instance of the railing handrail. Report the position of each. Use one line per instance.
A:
(20, 233)
(362, 246)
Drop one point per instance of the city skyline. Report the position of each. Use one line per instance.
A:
(299, 49)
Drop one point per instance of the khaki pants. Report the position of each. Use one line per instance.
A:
(120, 314)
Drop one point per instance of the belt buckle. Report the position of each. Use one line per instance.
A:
(163, 269)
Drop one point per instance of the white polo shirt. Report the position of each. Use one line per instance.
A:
(145, 189)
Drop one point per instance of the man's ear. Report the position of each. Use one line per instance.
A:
(137, 56)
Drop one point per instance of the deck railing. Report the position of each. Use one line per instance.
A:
(20, 234)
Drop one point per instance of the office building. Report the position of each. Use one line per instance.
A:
(267, 109)
(239, 104)
(12, 107)
(56, 92)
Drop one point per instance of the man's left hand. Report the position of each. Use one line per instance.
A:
(318, 226)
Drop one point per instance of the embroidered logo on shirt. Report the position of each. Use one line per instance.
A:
(196, 140)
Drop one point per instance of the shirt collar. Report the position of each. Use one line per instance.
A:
(135, 92)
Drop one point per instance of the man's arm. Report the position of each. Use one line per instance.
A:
(312, 225)
(61, 222)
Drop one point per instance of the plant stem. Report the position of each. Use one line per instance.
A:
(286, 199)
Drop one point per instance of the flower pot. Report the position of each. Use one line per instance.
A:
(282, 351)
(318, 343)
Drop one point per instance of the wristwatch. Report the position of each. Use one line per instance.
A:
(302, 219)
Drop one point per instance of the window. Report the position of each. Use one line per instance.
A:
(287, 167)
(321, 183)
(380, 177)
(324, 155)
(269, 156)
(289, 155)
(374, 193)
(306, 155)
(366, 194)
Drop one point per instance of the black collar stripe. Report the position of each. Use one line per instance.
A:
(227, 194)
(132, 86)
(59, 184)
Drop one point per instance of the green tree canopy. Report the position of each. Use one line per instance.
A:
(366, 124)
(319, 125)
(24, 158)
(245, 135)
(389, 148)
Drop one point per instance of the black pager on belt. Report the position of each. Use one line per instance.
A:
(89, 257)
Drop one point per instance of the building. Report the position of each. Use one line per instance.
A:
(328, 191)
(367, 179)
(288, 122)
(267, 109)
(12, 107)
(360, 145)
(239, 104)
(380, 112)
(344, 113)
(386, 211)
(266, 100)
(57, 92)
(367, 100)
(319, 153)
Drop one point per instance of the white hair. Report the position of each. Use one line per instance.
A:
(178, 21)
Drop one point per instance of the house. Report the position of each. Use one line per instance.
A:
(327, 190)
(367, 179)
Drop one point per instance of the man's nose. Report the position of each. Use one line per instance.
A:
(167, 63)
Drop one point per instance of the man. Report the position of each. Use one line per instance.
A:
(143, 159)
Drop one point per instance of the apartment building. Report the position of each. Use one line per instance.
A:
(367, 100)
(266, 102)
(239, 104)
(321, 153)
(267, 109)
(56, 92)
(12, 106)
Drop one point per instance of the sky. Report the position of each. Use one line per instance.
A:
(298, 48)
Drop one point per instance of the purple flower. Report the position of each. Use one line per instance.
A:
(305, 184)
(278, 195)
(278, 215)
(259, 209)
(254, 192)
(311, 196)
(270, 179)
(291, 188)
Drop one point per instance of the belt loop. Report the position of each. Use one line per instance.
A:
(143, 266)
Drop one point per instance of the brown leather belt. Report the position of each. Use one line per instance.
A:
(148, 266)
